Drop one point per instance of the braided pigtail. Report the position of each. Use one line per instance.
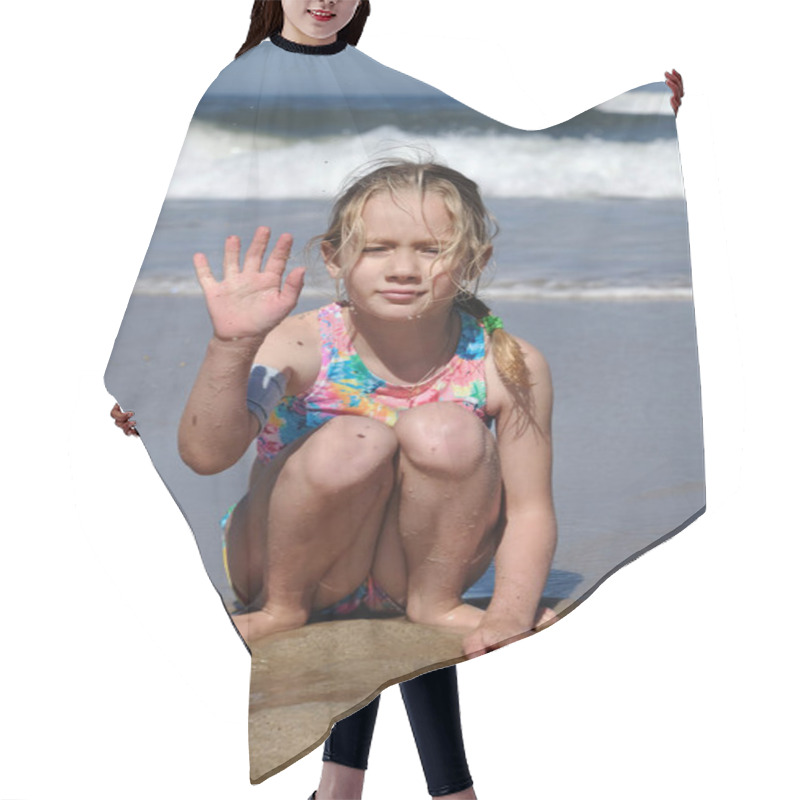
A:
(507, 353)
(508, 359)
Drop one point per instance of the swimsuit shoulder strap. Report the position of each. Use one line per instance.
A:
(335, 344)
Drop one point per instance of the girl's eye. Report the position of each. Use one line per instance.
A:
(374, 249)
(432, 251)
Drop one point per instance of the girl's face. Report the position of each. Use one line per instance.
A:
(399, 274)
(315, 22)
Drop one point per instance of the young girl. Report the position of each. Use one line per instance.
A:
(378, 482)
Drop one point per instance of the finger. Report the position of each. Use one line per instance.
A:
(202, 269)
(293, 285)
(230, 260)
(255, 253)
(276, 263)
(471, 653)
(116, 411)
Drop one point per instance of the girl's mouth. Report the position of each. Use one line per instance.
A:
(399, 295)
(321, 16)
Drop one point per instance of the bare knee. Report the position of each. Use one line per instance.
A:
(445, 439)
(346, 452)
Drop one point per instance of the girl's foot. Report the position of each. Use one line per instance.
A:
(255, 625)
(545, 616)
(464, 617)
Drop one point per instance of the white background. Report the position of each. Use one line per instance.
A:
(121, 675)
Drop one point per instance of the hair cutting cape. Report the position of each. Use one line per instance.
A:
(591, 265)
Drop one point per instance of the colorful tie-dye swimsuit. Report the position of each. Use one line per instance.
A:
(344, 385)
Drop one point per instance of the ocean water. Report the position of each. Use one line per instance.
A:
(589, 209)
(605, 248)
(305, 147)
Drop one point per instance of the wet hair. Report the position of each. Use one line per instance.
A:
(474, 228)
(266, 19)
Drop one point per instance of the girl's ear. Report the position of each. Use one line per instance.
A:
(328, 254)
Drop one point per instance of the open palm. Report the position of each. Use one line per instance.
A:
(248, 301)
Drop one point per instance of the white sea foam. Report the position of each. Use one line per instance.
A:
(160, 285)
(218, 163)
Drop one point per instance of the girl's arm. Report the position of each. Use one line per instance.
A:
(216, 427)
(523, 558)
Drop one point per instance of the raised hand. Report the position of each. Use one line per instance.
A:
(249, 302)
(675, 82)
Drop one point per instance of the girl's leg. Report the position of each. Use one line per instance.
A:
(304, 535)
(442, 519)
(433, 711)
(346, 754)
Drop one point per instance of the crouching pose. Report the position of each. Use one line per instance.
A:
(379, 484)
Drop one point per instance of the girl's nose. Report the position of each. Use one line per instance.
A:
(403, 266)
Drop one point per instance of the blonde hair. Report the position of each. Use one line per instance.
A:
(471, 245)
